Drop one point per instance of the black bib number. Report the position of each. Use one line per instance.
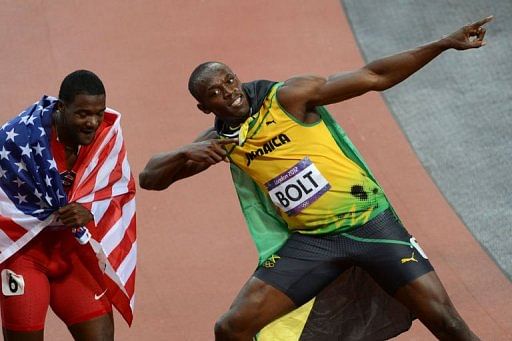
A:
(13, 285)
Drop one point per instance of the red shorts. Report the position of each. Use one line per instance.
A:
(50, 271)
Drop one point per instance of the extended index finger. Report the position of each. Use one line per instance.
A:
(227, 141)
(483, 21)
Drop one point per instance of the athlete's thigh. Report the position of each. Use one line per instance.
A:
(25, 296)
(427, 299)
(256, 305)
(77, 297)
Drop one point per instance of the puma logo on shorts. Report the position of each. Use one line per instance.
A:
(409, 259)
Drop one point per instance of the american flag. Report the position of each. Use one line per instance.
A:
(31, 190)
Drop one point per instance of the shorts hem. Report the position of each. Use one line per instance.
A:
(87, 317)
(277, 287)
(403, 283)
(17, 328)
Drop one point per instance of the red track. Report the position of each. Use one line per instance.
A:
(194, 251)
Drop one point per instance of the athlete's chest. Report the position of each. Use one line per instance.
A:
(275, 141)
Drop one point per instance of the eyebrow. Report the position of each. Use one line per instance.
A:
(228, 75)
(89, 111)
(212, 86)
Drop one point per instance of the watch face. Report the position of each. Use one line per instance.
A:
(67, 177)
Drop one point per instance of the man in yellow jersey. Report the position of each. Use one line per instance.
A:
(278, 135)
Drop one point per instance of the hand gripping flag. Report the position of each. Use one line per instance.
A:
(31, 190)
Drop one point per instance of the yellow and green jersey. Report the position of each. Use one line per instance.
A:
(320, 151)
(316, 187)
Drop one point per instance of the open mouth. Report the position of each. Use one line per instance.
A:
(237, 102)
(88, 133)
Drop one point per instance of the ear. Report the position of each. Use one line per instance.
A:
(203, 108)
(60, 105)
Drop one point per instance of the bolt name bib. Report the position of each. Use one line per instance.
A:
(298, 187)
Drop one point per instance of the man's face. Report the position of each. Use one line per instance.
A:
(82, 117)
(221, 93)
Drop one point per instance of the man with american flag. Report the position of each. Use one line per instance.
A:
(67, 215)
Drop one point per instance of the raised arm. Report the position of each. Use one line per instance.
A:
(165, 168)
(299, 95)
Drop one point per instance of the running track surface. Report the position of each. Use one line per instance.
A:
(194, 251)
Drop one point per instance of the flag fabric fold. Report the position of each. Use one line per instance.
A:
(31, 190)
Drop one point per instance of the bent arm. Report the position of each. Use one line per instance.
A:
(300, 95)
(165, 168)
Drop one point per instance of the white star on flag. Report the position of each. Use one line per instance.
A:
(48, 180)
(4, 154)
(31, 120)
(39, 149)
(25, 150)
(21, 198)
(2, 172)
(24, 119)
(42, 204)
(38, 194)
(21, 166)
(11, 134)
(19, 182)
(52, 163)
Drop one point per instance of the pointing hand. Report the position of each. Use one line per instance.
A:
(209, 151)
(470, 36)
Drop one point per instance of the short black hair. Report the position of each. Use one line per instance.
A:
(198, 75)
(80, 82)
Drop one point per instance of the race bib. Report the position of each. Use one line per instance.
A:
(298, 187)
(12, 284)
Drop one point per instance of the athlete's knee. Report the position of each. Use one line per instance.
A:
(449, 325)
(231, 326)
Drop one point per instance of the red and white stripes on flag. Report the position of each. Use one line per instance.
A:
(106, 186)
